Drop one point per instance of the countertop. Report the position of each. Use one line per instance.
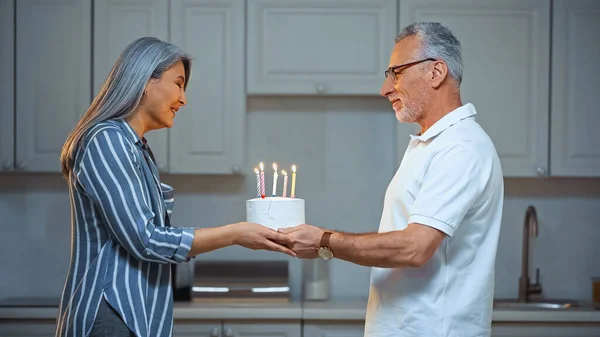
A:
(29, 309)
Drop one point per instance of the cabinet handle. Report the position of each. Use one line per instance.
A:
(541, 171)
(7, 165)
(229, 333)
(215, 332)
(21, 165)
(235, 169)
(320, 88)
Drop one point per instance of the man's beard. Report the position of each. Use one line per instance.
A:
(411, 111)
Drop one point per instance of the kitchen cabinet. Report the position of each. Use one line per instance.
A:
(7, 73)
(117, 23)
(575, 87)
(505, 49)
(545, 330)
(236, 329)
(319, 47)
(334, 328)
(42, 328)
(53, 79)
(196, 329)
(209, 132)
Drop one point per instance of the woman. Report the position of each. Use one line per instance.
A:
(119, 280)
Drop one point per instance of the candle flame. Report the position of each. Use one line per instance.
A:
(275, 166)
(294, 168)
(255, 170)
(283, 172)
(262, 166)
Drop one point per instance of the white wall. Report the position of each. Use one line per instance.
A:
(345, 152)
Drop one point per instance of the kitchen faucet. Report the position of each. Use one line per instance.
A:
(530, 228)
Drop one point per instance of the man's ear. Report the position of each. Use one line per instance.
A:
(438, 73)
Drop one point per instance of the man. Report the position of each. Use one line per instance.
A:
(434, 254)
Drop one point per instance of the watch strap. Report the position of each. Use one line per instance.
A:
(325, 239)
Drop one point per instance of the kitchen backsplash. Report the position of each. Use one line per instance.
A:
(345, 152)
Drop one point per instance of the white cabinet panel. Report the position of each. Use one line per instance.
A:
(53, 64)
(575, 88)
(208, 133)
(262, 329)
(117, 23)
(545, 330)
(194, 329)
(334, 329)
(505, 47)
(7, 76)
(27, 329)
(319, 47)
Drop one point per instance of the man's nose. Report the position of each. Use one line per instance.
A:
(387, 87)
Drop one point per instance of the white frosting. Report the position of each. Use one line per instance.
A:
(275, 212)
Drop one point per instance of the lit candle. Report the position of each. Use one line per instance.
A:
(284, 183)
(274, 179)
(257, 182)
(293, 194)
(262, 180)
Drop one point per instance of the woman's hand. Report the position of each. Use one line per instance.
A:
(254, 236)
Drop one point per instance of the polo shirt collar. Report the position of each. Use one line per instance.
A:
(447, 121)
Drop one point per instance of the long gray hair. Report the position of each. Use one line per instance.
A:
(437, 42)
(122, 91)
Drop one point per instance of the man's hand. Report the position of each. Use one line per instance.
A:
(306, 240)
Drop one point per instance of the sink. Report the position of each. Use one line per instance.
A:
(534, 305)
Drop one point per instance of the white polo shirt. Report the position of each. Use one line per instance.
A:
(450, 178)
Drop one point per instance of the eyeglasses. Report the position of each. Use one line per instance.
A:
(393, 74)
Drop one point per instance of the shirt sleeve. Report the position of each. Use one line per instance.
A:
(111, 175)
(451, 185)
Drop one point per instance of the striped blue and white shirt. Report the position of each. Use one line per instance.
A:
(123, 243)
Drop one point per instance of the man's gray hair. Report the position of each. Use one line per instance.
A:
(437, 42)
(123, 89)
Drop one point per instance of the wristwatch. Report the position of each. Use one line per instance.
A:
(325, 251)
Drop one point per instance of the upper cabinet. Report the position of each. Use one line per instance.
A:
(53, 82)
(208, 134)
(505, 48)
(575, 88)
(7, 77)
(117, 23)
(319, 47)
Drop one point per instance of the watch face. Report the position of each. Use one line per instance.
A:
(325, 253)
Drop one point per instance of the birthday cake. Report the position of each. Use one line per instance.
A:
(275, 212)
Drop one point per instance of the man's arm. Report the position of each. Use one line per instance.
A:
(412, 246)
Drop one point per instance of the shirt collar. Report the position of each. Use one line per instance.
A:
(131, 135)
(447, 121)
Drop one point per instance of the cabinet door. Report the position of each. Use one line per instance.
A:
(263, 329)
(27, 329)
(575, 87)
(319, 47)
(334, 329)
(7, 77)
(208, 133)
(545, 330)
(505, 49)
(117, 23)
(53, 81)
(193, 329)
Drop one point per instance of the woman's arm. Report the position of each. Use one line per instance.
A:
(245, 234)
